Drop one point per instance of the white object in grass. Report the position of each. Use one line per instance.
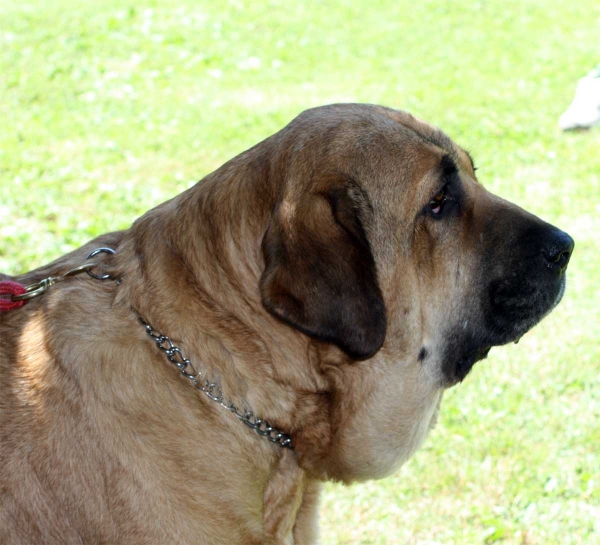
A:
(584, 111)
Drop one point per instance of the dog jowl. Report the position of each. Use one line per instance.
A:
(515, 266)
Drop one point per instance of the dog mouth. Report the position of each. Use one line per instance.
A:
(514, 309)
(474, 347)
(512, 315)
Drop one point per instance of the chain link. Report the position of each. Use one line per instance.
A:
(213, 392)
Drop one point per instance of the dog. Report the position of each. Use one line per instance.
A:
(293, 318)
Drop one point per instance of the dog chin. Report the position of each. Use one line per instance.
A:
(456, 370)
(462, 356)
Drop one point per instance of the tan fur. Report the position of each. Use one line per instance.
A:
(102, 441)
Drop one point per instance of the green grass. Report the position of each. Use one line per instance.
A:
(109, 108)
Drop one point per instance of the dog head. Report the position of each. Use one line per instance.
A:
(385, 249)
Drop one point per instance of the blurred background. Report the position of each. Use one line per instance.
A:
(110, 107)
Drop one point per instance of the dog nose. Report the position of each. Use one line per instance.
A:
(557, 250)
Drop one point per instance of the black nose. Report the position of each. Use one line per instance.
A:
(557, 250)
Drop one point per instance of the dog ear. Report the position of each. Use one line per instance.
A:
(320, 275)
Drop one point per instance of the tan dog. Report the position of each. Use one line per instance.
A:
(335, 279)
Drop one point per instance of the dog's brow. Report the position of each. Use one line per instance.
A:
(450, 172)
(448, 165)
(440, 140)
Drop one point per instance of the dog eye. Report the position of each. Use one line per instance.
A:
(437, 204)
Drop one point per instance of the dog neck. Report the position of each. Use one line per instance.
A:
(194, 274)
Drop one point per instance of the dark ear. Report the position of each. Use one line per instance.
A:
(320, 274)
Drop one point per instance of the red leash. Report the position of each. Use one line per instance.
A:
(8, 287)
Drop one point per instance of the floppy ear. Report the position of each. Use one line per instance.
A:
(320, 274)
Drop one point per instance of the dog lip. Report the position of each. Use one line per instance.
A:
(515, 308)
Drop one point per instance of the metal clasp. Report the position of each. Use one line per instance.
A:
(33, 290)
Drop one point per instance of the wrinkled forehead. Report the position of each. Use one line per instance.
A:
(385, 143)
(395, 156)
(388, 153)
(422, 137)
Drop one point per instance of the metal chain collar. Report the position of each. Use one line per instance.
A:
(173, 353)
(176, 357)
